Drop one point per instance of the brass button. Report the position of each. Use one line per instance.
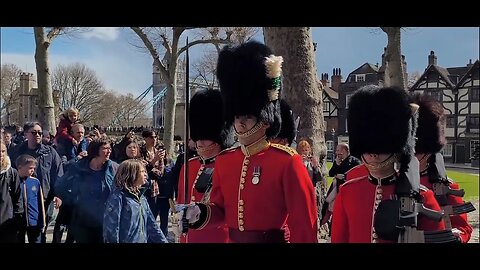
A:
(374, 241)
(244, 174)
(240, 208)
(379, 190)
(375, 236)
(246, 162)
(241, 186)
(245, 168)
(240, 202)
(240, 222)
(379, 196)
(240, 228)
(240, 215)
(242, 180)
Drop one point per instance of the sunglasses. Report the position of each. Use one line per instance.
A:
(36, 132)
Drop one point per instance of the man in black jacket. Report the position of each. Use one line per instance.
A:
(343, 163)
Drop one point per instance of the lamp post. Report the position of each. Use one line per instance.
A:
(334, 144)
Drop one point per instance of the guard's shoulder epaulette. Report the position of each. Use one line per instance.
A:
(284, 148)
(229, 150)
(194, 158)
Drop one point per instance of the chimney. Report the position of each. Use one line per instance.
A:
(384, 62)
(336, 79)
(432, 59)
(469, 63)
(324, 79)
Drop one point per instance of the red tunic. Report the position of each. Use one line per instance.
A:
(217, 234)
(355, 207)
(283, 195)
(458, 221)
(355, 172)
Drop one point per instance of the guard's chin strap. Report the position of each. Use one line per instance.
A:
(244, 137)
(376, 167)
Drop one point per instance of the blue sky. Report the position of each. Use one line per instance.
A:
(126, 69)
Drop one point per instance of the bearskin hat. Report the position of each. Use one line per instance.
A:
(206, 117)
(247, 73)
(287, 130)
(431, 124)
(380, 121)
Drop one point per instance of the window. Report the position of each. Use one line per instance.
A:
(475, 94)
(473, 123)
(474, 148)
(326, 106)
(447, 150)
(437, 95)
(347, 99)
(360, 77)
(329, 145)
(21, 105)
(450, 121)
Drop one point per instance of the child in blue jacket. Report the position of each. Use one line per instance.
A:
(128, 218)
(32, 197)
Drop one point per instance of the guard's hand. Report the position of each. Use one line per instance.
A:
(457, 234)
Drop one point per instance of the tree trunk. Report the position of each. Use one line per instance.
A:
(394, 72)
(169, 114)
(300, 88)
(46, 106)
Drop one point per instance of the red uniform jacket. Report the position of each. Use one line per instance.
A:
(355, 172)
(458, 221)
(354, 211)
(283, 194)
(218, 234)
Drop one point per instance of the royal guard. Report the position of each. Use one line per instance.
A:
(207, 130)
(258, 187)
(430, 141)
(383, 204)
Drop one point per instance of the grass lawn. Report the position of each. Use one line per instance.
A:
(467, 181)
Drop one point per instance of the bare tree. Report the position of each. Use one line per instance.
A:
(167, 41)
(301, 87)
(79, 87)
(394, 71)
(9, 82)
(206, 67)
(127, 110)
(44, 36)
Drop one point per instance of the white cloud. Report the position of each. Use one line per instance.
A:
(103, 33)
(118, 74)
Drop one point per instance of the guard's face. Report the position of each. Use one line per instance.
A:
(375, 159)
(244, 123)
(203, 143)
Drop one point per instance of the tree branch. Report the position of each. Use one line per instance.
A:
(204, 41)
(151, 49)
(54, 32)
